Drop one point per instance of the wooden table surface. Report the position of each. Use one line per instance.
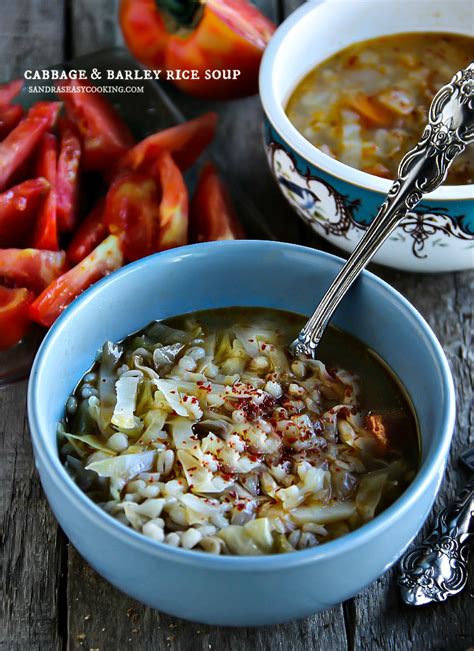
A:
(51, 599)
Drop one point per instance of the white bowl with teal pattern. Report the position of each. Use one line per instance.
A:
(338, 201)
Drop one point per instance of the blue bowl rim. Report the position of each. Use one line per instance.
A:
(432, 465)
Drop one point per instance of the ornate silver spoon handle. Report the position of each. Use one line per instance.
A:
(449, 130)
(438, 568)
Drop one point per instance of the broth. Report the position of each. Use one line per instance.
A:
(367, 105)
(202, 432)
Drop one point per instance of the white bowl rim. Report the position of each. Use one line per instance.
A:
(290, 134)
(431, 466)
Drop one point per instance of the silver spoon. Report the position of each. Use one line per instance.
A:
(449, 130)
(438, 567)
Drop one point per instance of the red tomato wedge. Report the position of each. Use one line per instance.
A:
(14, 320)
(107, 257)
(67, 181)
(185, 141)
(10, 90)
(173, 213)
(31, 268)
(22, 141)
(212, 215)
(105, 137)
(18, 209)
(46, 232)
(131, 212)
(89, 234)
(10, 116)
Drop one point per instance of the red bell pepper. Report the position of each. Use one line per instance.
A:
(185, 141)
(67, 182)
(105, 137)
(212, 215)
(22, 141)
(89, 234)
(107, 257)
(10, 90)
(14, 320)
(131, 212)
(46, 232)
(18, 209)
(31, 268)
(173, 213)
(206, 35)
(10, 116)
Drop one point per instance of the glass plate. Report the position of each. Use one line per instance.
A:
(144, 113)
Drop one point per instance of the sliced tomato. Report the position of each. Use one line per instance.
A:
(18, 210)
(173, 213)
(9, 91)
(107, 257)
(67, 182)
(14, 319)
(185, 141)
(131, 212)
(46, 231)
(10, 116)
(89, 234)
(212, 215)
(105, 137)
(31, 268)
(22, 141)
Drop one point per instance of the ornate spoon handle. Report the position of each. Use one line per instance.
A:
(437, 568)
(449, 130)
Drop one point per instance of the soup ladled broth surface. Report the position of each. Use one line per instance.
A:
(202, 432)
(367, 105)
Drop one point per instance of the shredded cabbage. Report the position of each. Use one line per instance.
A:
(216, 439)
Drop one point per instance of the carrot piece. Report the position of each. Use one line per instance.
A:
(371, 111)
(374, 424)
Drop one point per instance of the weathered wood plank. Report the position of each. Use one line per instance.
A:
(103, 618)
(94, 25)
(31, 35)
(31, 548)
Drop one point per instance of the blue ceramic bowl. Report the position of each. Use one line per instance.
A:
(239, 590)
(338, 201)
